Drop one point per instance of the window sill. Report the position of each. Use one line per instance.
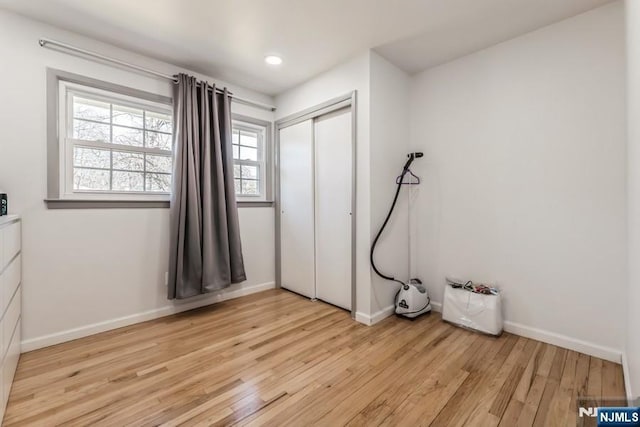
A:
(104, 204)
(254, 204)
(126, 204)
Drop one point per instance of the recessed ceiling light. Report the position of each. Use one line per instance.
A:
(273, 60)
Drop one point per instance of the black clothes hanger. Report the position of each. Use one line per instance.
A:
(400, 178)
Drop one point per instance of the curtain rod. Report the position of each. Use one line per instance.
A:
(46, 42)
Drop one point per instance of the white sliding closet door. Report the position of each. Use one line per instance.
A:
(297, 209)
(333, 187)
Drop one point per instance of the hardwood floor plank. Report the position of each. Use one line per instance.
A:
(543, 417)
(509, 376)
(393, 393)
(512, 414)
(435, 387)
(522, 390)
(276, 359)
(612, 384)
(560, 408)
(532, 401)
(425, 402)
(481, 368)
(581, 383)
(594, 387)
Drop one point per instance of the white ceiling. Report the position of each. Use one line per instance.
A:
(229, 38)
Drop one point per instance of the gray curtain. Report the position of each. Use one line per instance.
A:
(205, 253)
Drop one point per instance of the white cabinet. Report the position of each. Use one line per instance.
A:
(315, 206)
(10, 302)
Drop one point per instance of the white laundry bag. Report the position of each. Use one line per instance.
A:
(473, 310)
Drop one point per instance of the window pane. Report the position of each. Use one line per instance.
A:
(91, 109)
(90, 131)
(235, 137)
(128, 161)
(250, 188)
(126, 136)
(120, 164)
(159, 122)
(238, 184)
(248, 153)
(159, 182)
(236, 171)
(158, 140)
(91, 157)
(90, 179)
(127, 116)
(236, 152)
(128, 181)
(249, 138)
(158, 163)
(250, 172)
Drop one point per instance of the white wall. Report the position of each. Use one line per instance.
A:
(88, 267)
(633, 170)
(389, 95)
(524, 177)
(341, 80)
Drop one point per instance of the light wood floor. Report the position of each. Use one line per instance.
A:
(275, 358)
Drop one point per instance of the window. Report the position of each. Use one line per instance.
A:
(250, 160)
(113, 145)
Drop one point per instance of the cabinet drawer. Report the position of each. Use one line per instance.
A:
(10, 280)
(11, 362)
(11, 241)
(10, 319)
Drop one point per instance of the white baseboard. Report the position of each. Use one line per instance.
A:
(386, 312)
(559, 340)
(564, 341)
(375, 317)
(177, 307)
(363, 318)
(627, 377)
(107, 325)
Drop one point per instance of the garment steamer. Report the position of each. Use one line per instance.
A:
(412, 298)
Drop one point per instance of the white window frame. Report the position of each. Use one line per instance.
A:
(67, 142)
(263, 129)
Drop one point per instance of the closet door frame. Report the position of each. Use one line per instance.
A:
(335, 104)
